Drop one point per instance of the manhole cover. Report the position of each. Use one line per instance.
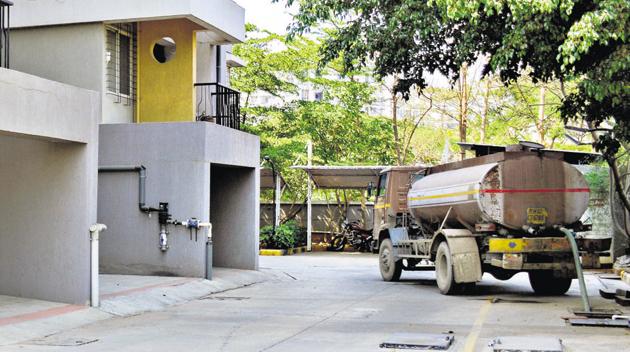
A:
(411, 341)
(526, 344)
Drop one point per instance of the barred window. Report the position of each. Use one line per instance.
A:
(120, 56)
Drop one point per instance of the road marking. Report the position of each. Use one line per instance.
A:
(473, 336)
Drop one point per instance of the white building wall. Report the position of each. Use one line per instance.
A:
(48, 180)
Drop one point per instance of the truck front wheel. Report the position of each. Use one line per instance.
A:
(544, 283)
(390, 267)
(444, 271)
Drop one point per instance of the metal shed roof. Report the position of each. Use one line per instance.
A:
(342, 177)
(266, 179)
(570, 156)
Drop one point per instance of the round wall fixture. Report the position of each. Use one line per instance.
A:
(164, 50)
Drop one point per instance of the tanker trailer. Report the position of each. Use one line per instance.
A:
(501, 213)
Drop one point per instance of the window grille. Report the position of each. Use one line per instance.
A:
(121, 62)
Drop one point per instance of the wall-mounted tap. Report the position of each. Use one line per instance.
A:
(164, 219)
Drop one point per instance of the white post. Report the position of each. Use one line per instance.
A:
(95, 231)
(309, 203)
(278, 199)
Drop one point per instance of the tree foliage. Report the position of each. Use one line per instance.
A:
(341, 132)
(585, 41)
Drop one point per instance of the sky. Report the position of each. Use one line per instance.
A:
(266, 15)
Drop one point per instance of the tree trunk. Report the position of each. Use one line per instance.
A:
(463, 106)
(484, 115)
(395, 126)
(541, 115)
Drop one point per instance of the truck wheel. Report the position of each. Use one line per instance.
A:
(545, 284)
(444, 271)
(390, 268)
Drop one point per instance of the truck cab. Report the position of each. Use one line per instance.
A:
(390, 205)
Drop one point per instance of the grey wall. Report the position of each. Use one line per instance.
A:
(234, 214)
(72, 54)
(178, 157)
(48, 188)
(326, 217)
(31, 106)
(69, 54)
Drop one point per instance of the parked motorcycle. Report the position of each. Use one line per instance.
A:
(353, 234)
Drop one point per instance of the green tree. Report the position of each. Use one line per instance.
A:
(580, 41)
(342, 133)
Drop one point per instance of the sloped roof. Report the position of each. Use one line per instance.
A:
(342, 177)
(266, 179)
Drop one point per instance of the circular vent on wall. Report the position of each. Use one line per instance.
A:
(164, 50)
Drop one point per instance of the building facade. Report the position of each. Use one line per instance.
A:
(160, 69)
(48, 183)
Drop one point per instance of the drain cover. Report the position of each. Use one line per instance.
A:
(410, 341)
(526, 344)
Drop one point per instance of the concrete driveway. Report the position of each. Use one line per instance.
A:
(337, 302)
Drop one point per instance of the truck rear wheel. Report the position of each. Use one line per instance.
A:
(391, 269)
(544, 283)
(444, 271)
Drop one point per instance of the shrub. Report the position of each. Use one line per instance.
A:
(288, 235)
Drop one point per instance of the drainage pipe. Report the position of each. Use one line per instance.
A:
(142, 183)
(578, 267)
(95, 232)
(209, 253)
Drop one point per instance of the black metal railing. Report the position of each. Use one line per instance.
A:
(5, 24)
(218, 103)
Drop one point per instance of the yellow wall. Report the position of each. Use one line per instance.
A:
(165, 91)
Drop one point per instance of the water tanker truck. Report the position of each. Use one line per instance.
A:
(501, 213)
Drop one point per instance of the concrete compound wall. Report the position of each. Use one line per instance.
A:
(48, 180)
(179, 159)
(326, 217)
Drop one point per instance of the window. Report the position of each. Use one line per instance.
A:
(382, 185)
(319, 96)
(120, 59)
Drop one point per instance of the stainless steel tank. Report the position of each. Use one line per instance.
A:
(523, 190)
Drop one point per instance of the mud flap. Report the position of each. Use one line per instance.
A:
(464, 254)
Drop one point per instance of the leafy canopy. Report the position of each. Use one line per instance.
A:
(341, 132)
(584, 41)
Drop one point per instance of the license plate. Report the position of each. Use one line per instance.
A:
(537, 216)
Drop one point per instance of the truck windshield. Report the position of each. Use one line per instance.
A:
(382, 184)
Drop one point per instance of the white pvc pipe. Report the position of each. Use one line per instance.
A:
(95, 231)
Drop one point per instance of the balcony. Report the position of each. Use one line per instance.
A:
(219, 104)
(5, 23)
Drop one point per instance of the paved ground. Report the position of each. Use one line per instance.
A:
(337, 302)
(121, 296)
